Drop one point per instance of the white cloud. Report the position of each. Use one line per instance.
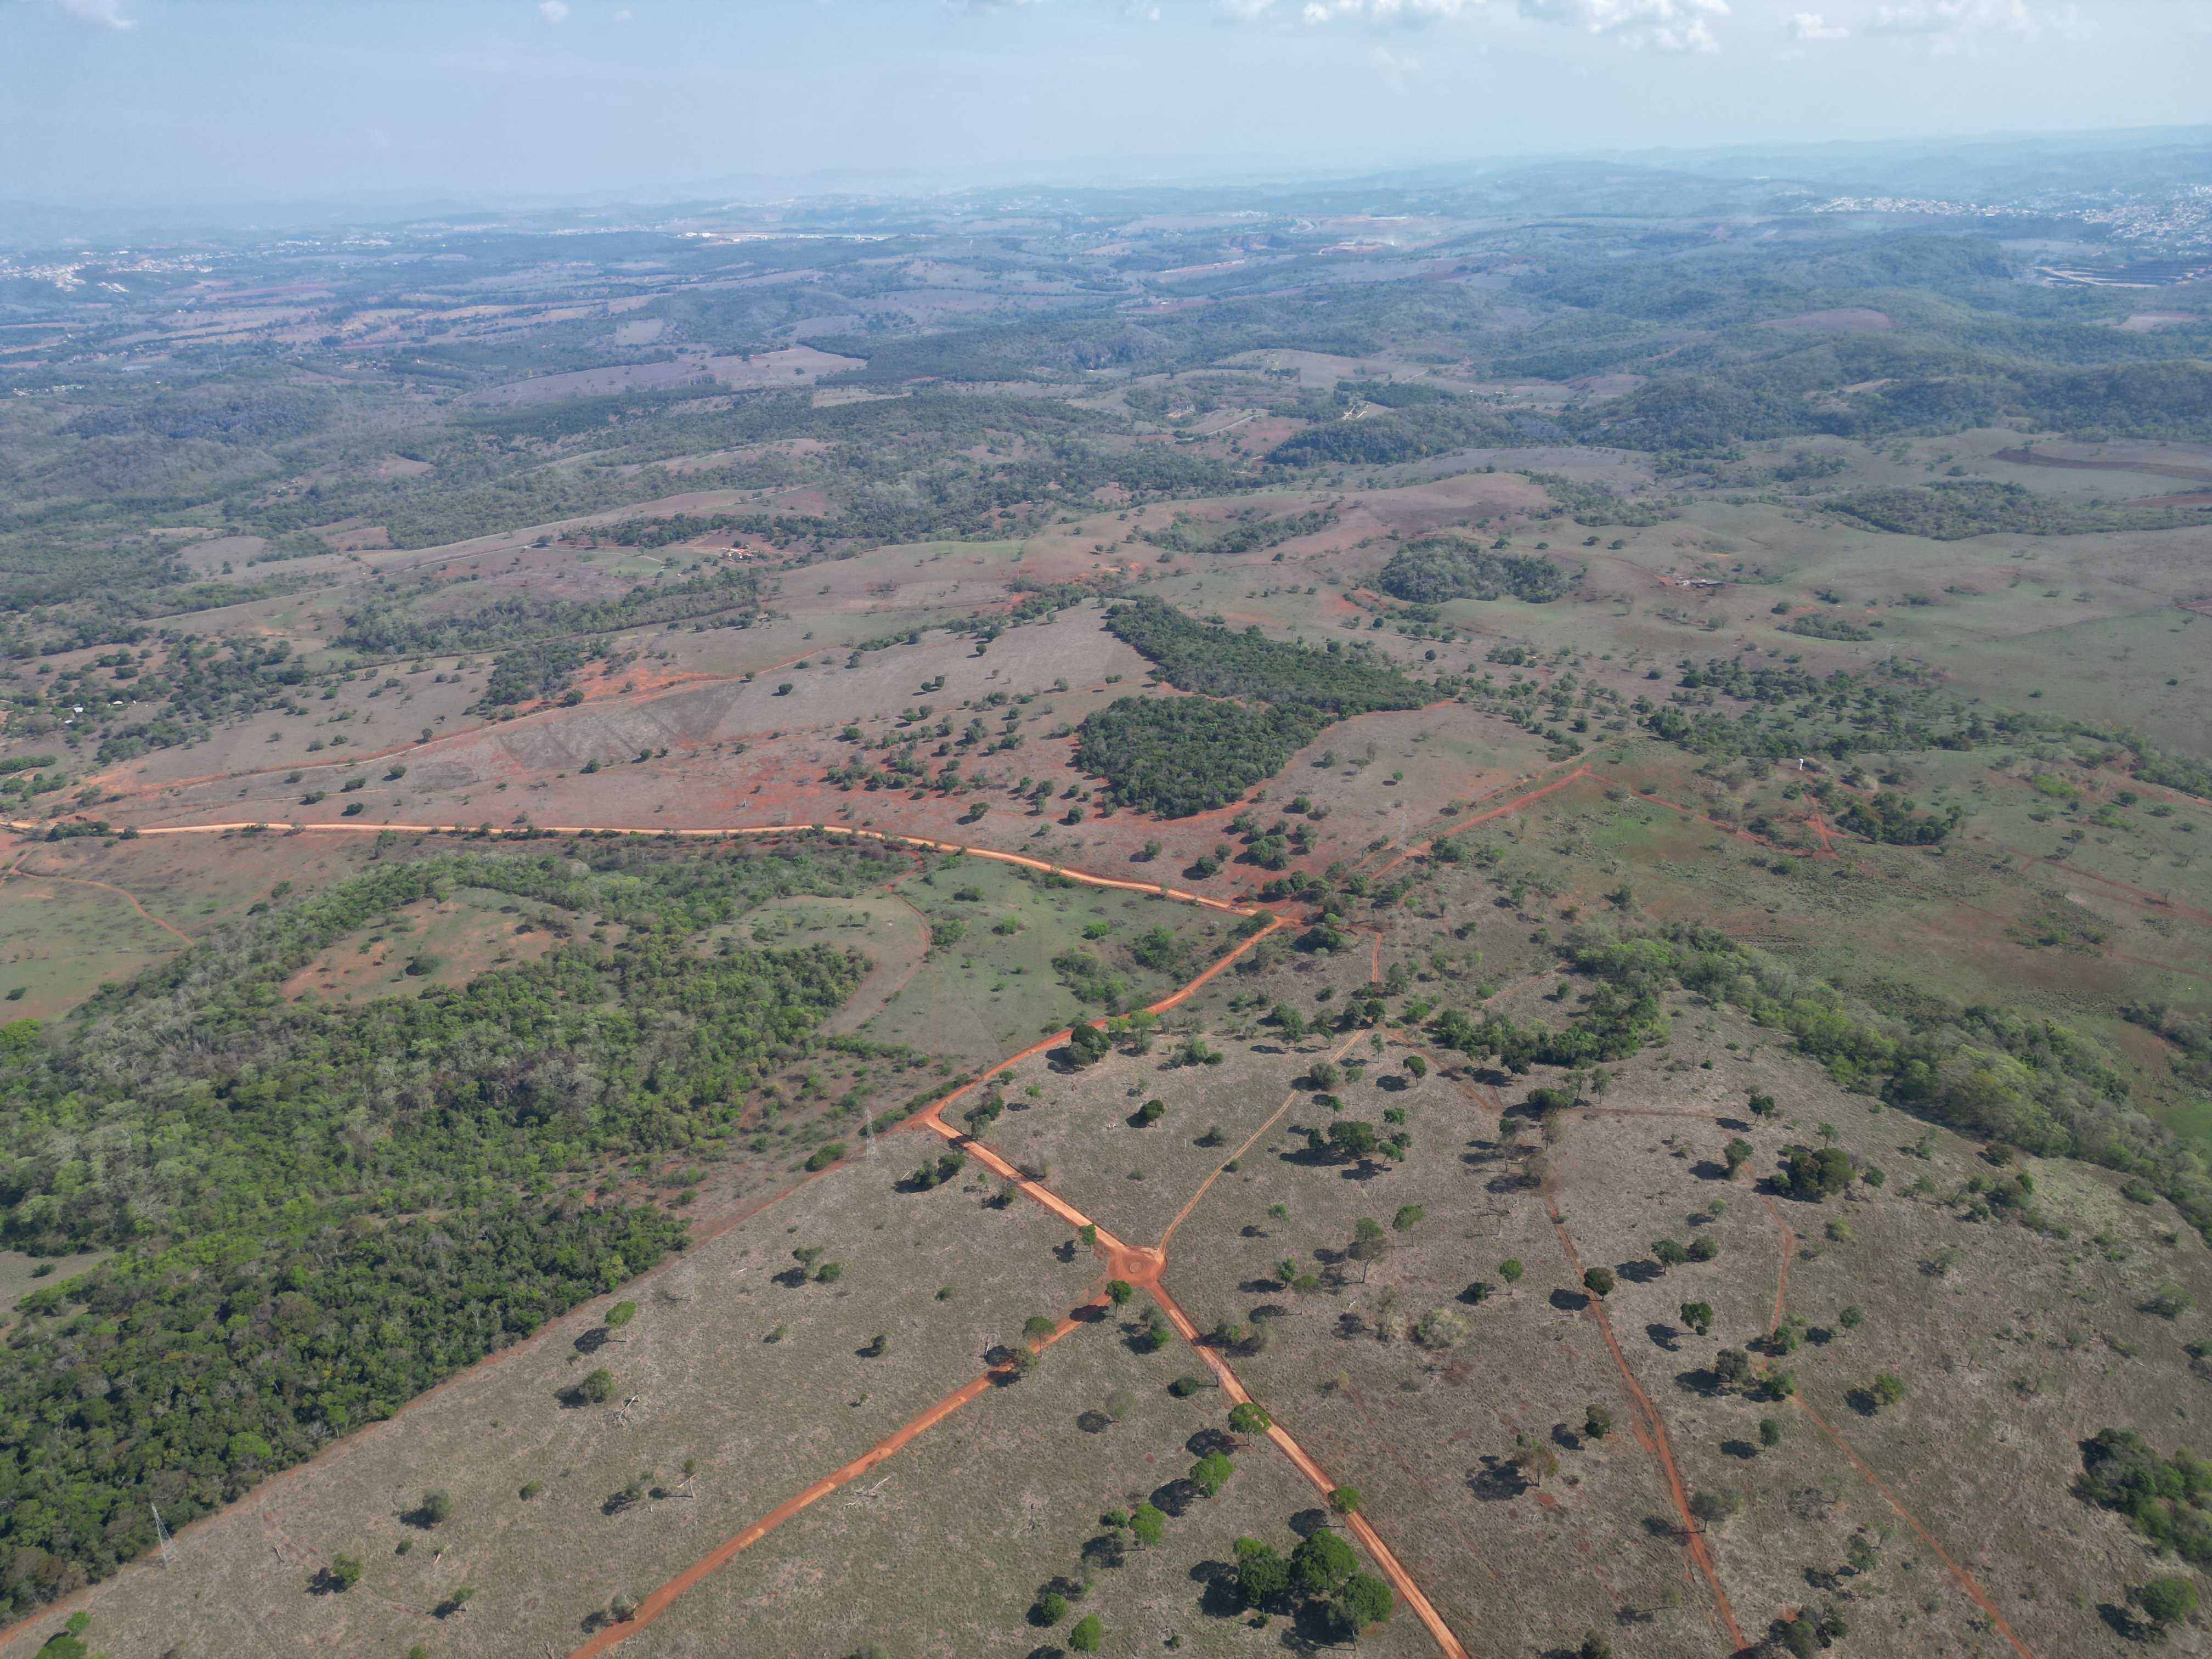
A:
(97, 14)
(378, 138)
(1670, 25)
(1373, 14)
(1951, 18)
(553, 11)
(1811, 26)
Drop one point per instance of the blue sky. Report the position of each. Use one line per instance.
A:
(148, 101)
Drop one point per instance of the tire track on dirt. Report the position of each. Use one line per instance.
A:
(127, 897)
(660, 1599)
(1655, 1431)
(1966, 1582)
(1184, 895)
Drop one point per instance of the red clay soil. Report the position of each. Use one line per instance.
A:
(1393, 1569)
(1654, 1433)
(722, 1554)
(1789, 1250)
(273, 825)
(1442, 828)
(1137, 1264)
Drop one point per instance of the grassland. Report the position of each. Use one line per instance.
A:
(1946, 778)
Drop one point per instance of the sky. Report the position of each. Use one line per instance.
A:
(154, 102)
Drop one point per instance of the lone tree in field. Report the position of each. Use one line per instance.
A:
(1345, 1500)
(1146, 1524)
(1367, 1244)
(599, 1386)
(437, 1509)
(1246, 1418)
(1038, 1327)
(1087, 1635)
(2166, 1601)
(1210, 1472)
(1737, 1153)
(1698, 1316)
(1119, 1291)
(1598, 1281)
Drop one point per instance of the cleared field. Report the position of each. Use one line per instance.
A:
(431, 944)
(733, 1364)
(922, 1569)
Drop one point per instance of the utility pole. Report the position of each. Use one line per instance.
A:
(161, 1533)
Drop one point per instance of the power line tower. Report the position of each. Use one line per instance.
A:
(161, 1533)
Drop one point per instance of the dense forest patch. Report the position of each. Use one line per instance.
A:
(1440, 568)
(1950, 511)
(1176, 756)
(1245, 536)
(1201, 657)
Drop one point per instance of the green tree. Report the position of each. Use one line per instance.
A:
(1119, 1291)
(621, 1314)
(1051, 1608)
(1509, 1270)
(1364, 1600)
(1263, 1575)
(1353, 1139)
(1886, 1388)
(2167, 1601)
(1698, 1316)
(1146, 1524)
(598, 1385)
(1345, 1500)
(1598, 1281)
(1597, 1423)
(1737, 1153)
(1210, 1472)
(437, 1509)
(1246, 1418)
(1087, 1634)
(1321, 1563)
(1038, 1327)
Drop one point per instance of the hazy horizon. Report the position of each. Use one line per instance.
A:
(150, 103)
